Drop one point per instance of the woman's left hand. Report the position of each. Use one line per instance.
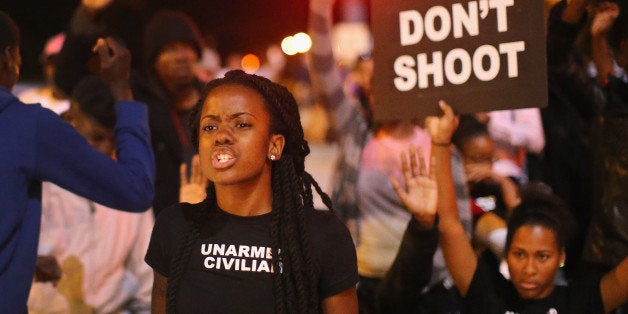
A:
(420, 194)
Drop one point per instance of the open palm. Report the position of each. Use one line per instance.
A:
(420, 194)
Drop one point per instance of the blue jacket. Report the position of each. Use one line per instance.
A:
(35, 146)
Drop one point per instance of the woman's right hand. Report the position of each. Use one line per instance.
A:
(442, 128)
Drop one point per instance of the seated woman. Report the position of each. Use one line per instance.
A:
(535, 249)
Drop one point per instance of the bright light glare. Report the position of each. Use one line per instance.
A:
(250, 63)
(302, 42)
(287, 45)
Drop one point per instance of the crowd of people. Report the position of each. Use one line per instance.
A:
(146, 176)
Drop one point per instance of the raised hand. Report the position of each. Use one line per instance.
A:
(193, 189)
(115, 67)
(420, 194)
(442, 128)
(604, 16)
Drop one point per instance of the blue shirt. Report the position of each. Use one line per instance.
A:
(36, 145)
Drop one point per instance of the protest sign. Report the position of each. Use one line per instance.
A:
(477, 55)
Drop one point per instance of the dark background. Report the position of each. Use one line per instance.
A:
(235, 25)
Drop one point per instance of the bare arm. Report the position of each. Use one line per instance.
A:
(160, 287)
(326, 77)
(459, 255)
(614, 287)
(604, 17)
(341, 303)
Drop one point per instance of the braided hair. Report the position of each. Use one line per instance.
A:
(295, 286)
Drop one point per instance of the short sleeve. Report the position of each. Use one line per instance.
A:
(163, 239)
(335, 252)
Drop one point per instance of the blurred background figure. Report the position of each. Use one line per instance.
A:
(100, 250)
(48, 95)
(120, 19)
(172, 48)
(363, 196)
(493, 195)
(519, 141)
(606, 242)
(209, 65)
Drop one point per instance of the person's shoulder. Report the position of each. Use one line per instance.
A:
(325, 224)
(320, 216)
(170, 214)
(28, 114)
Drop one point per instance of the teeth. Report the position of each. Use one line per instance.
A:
(223, 157)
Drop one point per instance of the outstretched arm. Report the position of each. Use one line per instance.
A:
(325, 73)
(400, 290)
(605, 15)
(459, 255)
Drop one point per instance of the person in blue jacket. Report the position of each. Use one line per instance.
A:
(36, 145)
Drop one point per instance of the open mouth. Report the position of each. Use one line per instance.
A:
(223, 159)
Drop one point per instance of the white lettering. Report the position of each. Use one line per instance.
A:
(461, 18)
(493, 66)
(410, 27)
(511, 49)
(231, 251)
(465, 66)
(425, 69)
(485, 64)
(438, 22)
(502, 15)
(243, 266)
(243, 251)
(226, 262)
(209, 262)
(430, 25)
(407, 76)
(257, 252)
(206, 249)
(219, 249)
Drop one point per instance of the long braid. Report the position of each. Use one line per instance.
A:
(177, 269)
(295, 278)
(180, 260)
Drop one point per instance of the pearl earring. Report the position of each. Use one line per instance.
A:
(272, 157)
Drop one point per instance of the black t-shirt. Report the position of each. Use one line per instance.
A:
(491, 293)
(229, 270)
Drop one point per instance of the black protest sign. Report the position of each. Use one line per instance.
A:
(476, 55)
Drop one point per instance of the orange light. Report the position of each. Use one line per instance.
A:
(250, 63)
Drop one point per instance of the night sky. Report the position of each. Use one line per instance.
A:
(235, 25)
